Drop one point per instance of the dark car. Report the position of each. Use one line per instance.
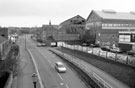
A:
(105, 49)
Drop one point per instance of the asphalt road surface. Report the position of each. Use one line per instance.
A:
(45, 63)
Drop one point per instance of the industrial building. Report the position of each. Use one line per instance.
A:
(102, 27)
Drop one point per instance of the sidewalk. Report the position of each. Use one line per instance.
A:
(24, 79)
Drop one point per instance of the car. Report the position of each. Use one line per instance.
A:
(60, 67)
(84, 44)
(94, 45)
(116, 50)
(39, 44)
(43, 44)
(105, 48)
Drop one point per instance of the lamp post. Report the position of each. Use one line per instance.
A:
(25, 40)
(35, 79)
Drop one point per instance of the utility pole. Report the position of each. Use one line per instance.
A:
(25, 40)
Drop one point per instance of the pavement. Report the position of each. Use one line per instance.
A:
(26, 69)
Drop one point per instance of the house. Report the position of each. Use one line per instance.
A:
(71, 29)
(4, 47)
(4, 32)
(47, 33)
(102, 27)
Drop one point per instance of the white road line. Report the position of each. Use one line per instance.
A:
(67, 86)
(49, 61)
(35, 65)
(60, 76)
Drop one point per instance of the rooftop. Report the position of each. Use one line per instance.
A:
(78, 16)
(111, 14)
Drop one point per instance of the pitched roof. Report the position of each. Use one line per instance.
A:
(2, 39)
(72, 18)
(110, 14)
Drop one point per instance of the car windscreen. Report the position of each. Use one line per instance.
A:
(60, 66)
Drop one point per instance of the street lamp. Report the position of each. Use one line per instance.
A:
(25, 40)
(35, 79)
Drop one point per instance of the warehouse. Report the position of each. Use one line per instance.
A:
(103, 27)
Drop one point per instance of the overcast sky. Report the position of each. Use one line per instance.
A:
(37, 12)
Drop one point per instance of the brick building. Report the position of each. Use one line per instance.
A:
(46, 33)
(102, 27)
(72, 29)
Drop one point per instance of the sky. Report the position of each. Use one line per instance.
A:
(35, 13)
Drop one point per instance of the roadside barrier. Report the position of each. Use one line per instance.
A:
(93, 73)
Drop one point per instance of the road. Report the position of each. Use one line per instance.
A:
(50, 77)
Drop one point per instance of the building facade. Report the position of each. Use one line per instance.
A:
(102, 27)
(4, 32)
(46, 33)
(4, 43)
(72, 29)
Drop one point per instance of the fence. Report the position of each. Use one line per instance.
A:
(122, 58)
(92, 72)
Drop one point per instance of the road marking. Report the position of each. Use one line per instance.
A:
(49, 61)
(67, 86)
(60, 76)
(61, 83)
(35, 65)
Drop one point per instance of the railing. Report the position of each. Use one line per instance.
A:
(122, 58)
(92, 72)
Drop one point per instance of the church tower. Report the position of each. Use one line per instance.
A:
(50, 22)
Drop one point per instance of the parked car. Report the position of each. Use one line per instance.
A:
(60, 67)
(94, 45)
(39, 44)
(116, 50)
(84, 44)
(43, 44)
(105, 48)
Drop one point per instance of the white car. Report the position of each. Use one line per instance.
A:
(39, 44)
(43, 44)
(60, 67)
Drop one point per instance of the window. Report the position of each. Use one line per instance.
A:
(110, 25)
(114, 25)
(105, 25)
(119, 25)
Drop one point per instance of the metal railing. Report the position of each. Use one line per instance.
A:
(92, 73)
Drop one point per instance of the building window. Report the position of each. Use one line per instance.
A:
(105, 25)
(119, 25)
(114, 25)
(110, 25)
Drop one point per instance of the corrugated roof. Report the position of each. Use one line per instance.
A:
(2, 39)
(116, 15)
